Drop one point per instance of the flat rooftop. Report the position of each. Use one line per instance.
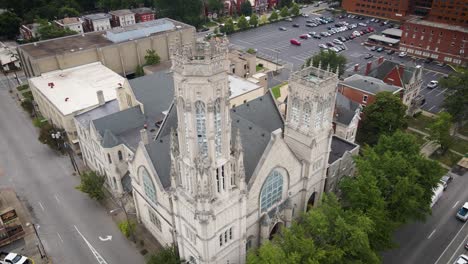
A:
(74, 89)
(239, 86)
(393, 32)
(384, 39)
(74, 43)
(420, 21)
(121, 12)
(97, 16)
(139, 30)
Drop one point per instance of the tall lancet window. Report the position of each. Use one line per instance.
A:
(306, 115)
(186, 124)
(295, 110)
(217, 117)
(201, 128)
(318, 115)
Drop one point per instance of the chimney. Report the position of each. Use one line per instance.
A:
(356, 67)
(100, 97)
(144, 136)
(368, 67)
(381, 59)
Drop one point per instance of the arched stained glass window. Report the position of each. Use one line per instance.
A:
(272, 190)
(295, 110)
(217, 116)
(201, 127)
(306, 115)
(148, 184)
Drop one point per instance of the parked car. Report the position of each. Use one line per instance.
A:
(323, 46)
(466, 245)
(373, 48)
(309, 25)
(402, 54)
(282, 28)
(310, 21)
(203, 29)
(289, 19)
(14, 258)
(445, 180)
(343, 39)
(337, 41)
(329, 44)
(304, 36)
(380, 49)
(362, 24)
(295, 25)
(317, 36)
(390, 52)
(295, 42)
(462, 213)
(432, 84)
(428, 60)
(305, 15)
(368, 56)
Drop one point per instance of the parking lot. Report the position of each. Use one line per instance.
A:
(274, 44)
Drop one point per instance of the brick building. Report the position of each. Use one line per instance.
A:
(143, 14)
(453, 12)
(442, 42)
(391, 9)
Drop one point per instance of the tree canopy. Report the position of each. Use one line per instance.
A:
(214, 6)
(151, 57)
(167, 255)
(242, 22)
(326, 59)
(295, 10)
(49, 31)
(188, 11)
(92, 184)
(456, 99)
(287, 3)
(246, 8)
(253, 20)
(273, 16)
(382, 117)
(439, 130)
(9, 24)
(284, 12)
(228, 27)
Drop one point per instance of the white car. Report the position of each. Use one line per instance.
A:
(305, 15)
(323, 46)
(16, 259)
(432, 84)
(337, 41)
(402, 54)
(362, 24)
(289, 19)
(462, 259)
(356, 33)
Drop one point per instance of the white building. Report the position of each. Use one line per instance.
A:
(217, 181)
(346, 117)
(62, 94)
(97, 22)
(72, 23)
(123, 17)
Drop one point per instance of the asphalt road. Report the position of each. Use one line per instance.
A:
(69, 222)
(273, 44)
(441, 237)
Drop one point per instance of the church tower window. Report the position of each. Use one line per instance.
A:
(217, 116)
(148, 184)
(306, 115)
(272, 190)
(295, 110)
(319, 115)
(201, 128)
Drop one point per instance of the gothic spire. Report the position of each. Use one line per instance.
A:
(238, 143)
(328, 67)
(174, 143)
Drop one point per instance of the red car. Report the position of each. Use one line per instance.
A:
(303, 36)
(371, 29)
(295, 42)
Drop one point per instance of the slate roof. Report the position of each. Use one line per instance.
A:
(369, 84)
(98, 112)
(338, 148)
(383, 69)
(345, 109)
(255, 121)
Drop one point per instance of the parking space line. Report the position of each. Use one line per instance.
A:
(442, 92)
(455, 204)
(431, 234)
(451, 243)
(431, 108)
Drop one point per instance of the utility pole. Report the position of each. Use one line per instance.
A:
(40, 246)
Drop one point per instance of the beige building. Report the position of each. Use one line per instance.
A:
(120, 49)
(243, 91)
(122, 17)
(242, 64)
(62, 94)
(72, 23)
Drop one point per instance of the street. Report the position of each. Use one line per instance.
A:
(273, 44)
(440, 239)
(69, 222)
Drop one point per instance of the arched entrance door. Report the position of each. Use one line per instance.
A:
(311, 201)
(276, 229)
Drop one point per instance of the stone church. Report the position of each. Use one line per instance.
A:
(217, 181)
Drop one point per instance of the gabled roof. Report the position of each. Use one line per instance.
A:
(338, 148)
(254, 120)
(369, 84)
(345, 109)
(98, 112)
(381, 71)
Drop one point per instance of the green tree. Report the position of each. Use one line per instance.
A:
(273, 16)
(242, 23)
(439, 130)
(407, 187)
(263, 19)
(214, 6)
(383, 117)
(295, 11)
(92, 184)
(188, 11)
(139, 71)
(9, 24)
(167, 255)
(253, 20)
(127, 227)
(328, 59)
(216, 30)
(228, 27)
(285, 3)
(251, 51)
(48, 31)
(246, 8)
(284, 12)
(67, 12)
(151, 57)
(456, 99)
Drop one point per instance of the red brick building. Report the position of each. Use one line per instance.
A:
(143, 14)
(391, 9)
(454, 12)
(442, 42)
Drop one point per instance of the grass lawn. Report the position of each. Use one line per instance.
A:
(259, 68)
(22, 87)
(448, 158)
(460, 145)
(420, 122)
(276, 90)
(28, 95)
(419, 138)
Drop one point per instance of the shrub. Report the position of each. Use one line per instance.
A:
(127, 227)
(92, 184)
(27, 106)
